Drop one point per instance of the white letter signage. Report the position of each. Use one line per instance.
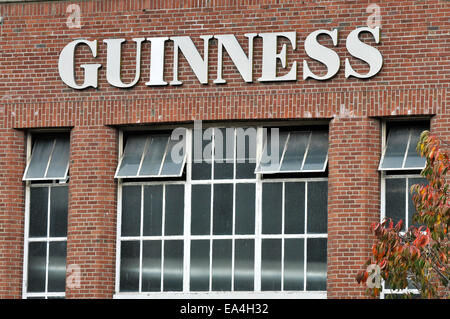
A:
(243, 61)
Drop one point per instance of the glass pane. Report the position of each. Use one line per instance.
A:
(174, 160)
(273, 150)
(223, 209)
(38, 211)
(57, 267)
(244, 256)
(317, 207)
(411, 207)
(396, 147)
(224, 153)
(295, 151)
(39, 158)
(131, 210)
(36, 267)
(271, 208)
(132, 156)
(173, 265)
(221, 265)
(271, 264)
(396, 199)
(202, 154)
(245, 152)
(174, 214)
(413, 159)
(317, 152)
(245, 209)
(154, 155)
(316, 268)
(153, 196)
(294, 263)
(59, 204)
(294, 208)
(200, 210)
(129, 266)
(151, 265)
(60, 158)
(199, 265)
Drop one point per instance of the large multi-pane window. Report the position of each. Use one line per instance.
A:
(400, 168)
(218, 224)
(46, 178)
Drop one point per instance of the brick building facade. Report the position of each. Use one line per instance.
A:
(359, 115)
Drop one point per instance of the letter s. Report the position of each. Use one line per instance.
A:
(363, 51)
(322, 54)
(66, 65)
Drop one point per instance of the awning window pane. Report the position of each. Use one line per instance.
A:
(39, 158)
(59, 162)
(400, 152)
(295, 151)
(132, 156)
(413, 159)
(272, 153)
(175, 158)
(155, 155)
(316, 159)
(395, 149)
(49, 159)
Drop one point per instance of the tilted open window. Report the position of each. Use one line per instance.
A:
(400, 151)
(49, 159)
(152, 155)
(294, 152)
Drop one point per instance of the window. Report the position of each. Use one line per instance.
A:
(298, 152)
(49, 159)
(400, 168)
(151, 156)
(220, 228)
(46, 217)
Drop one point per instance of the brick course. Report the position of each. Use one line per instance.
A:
(413, 82)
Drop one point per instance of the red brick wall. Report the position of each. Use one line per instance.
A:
(12, 209)
(413, 81)
(353, 200)
(91, 234)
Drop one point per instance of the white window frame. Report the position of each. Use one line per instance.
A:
(186, 237)
(384, 291)
(46, 239)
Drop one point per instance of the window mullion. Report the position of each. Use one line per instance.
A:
(406, 204)
(141, 243)
(258, 213)
(162, 235)
(187, 213)
(47, 255)
(283, 192)
(305, 246)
